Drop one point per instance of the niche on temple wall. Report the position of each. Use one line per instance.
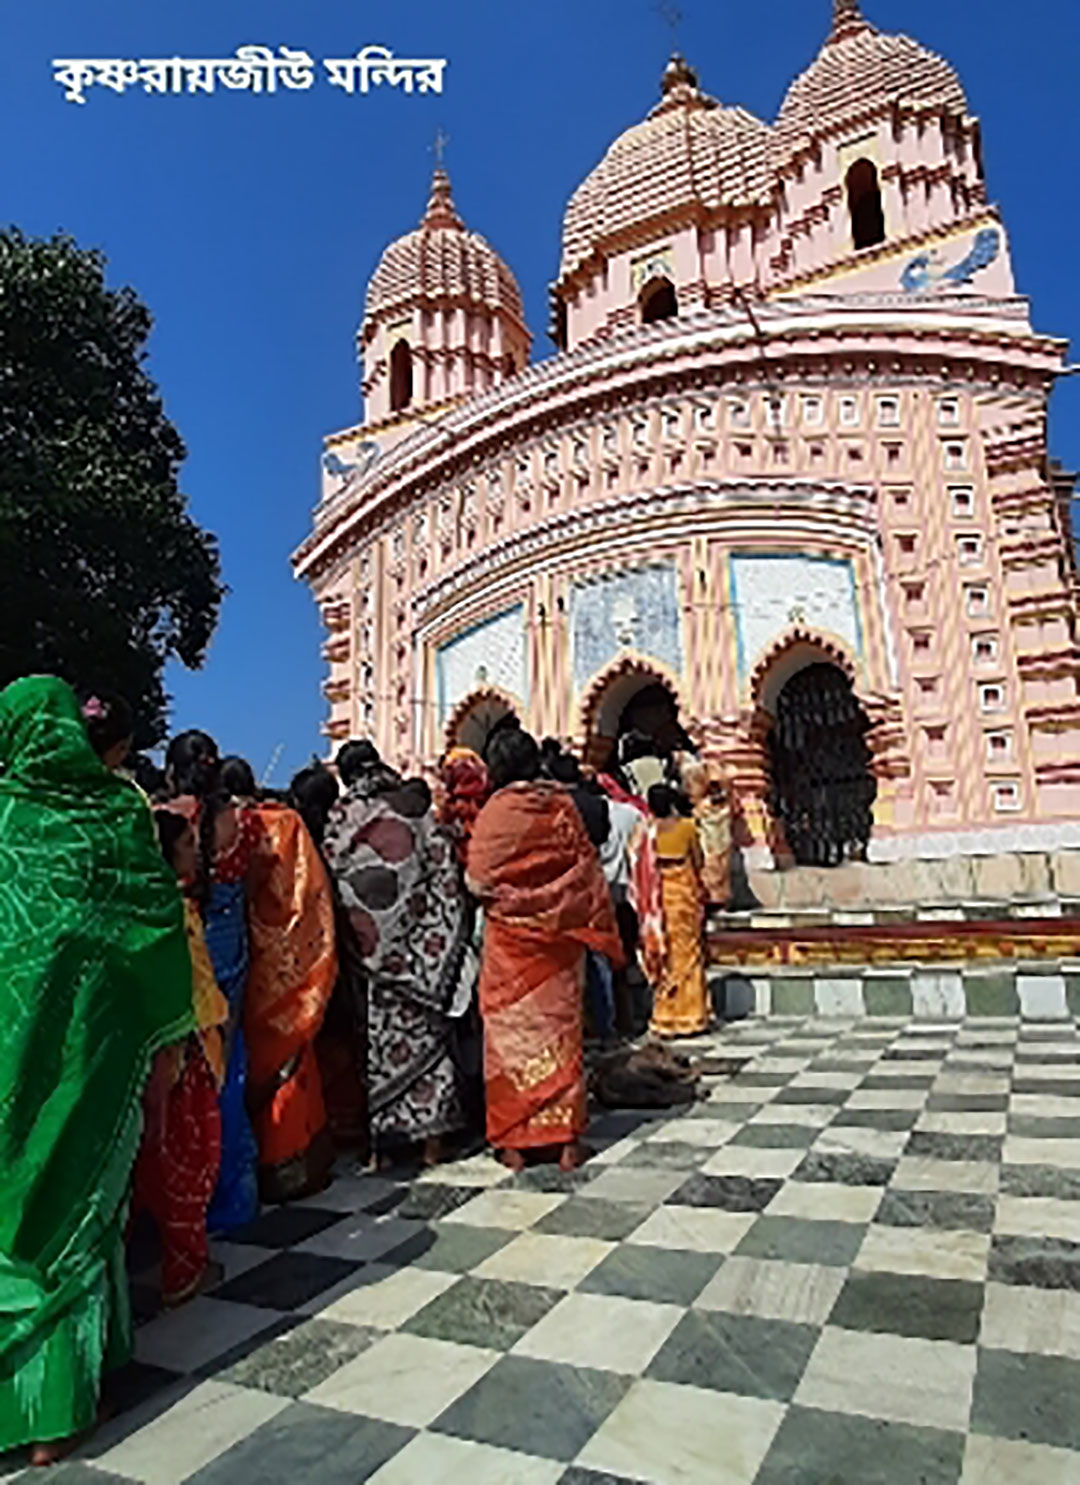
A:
(864, 202)
(652, 279)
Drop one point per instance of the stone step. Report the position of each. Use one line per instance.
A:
(1021, 877)
(1045, 990)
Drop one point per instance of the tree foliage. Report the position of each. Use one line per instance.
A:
(103, 574)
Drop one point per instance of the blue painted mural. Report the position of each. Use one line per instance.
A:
(927, 271)
(632, 609)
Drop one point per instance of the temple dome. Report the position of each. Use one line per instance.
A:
(856, 71)
(442, 260)
(689, 153)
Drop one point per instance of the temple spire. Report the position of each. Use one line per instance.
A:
(847, 18)
(441, 211)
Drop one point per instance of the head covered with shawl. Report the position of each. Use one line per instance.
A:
(466, 788)
(95, 977)
(401, 886)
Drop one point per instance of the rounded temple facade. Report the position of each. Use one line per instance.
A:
(781, 494)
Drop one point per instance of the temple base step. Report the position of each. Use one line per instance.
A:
(1033, 990)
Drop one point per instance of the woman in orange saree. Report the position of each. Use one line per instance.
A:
(669, 898)
(545, 901)
(293, 970)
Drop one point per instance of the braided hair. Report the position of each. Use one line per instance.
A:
(193, 766)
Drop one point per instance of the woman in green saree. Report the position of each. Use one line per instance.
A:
(95, 978)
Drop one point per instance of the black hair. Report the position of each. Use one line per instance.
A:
(312, 794)
(661, 799)
(193, 766)
(513, 757)
(682, 803)
(355, 758)
(237, 778)
(170, 829)
(550, 747)
(422, 789)
(565, 769)
(109, 720)
(147, 775)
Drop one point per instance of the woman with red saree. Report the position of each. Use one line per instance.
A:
(545, 902)
(293, 971)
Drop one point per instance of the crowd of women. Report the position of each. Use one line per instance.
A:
(208, 990)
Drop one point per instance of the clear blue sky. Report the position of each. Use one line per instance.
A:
(250, 225)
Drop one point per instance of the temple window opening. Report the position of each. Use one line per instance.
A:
(998, 746)
(963, 502)
(969, 549)
(948, 412)
(849, 411)
(739, 413)
(955, 454)
(864, 205)
(658, 301)
(978, 603)
(984, 649)
(992, 697)
(401, 376)
(888, 412)
(813, 412)
(1006, 797)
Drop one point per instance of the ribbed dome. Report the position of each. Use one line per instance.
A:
(857, 68)
(442, 259)
(690, 151)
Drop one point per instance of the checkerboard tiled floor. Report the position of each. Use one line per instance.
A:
(857, 1261)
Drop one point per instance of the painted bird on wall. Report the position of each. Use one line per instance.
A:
(336, 467)
(926, 271)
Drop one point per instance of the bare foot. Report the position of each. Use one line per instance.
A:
(573, 1156)
(211, 1276)
(513, 1160)
(44, 1455)
(433, 1150)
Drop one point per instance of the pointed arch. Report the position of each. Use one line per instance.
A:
(476, 716)
(864, 205)
(401, 376)
(612, 689)
(792, 651)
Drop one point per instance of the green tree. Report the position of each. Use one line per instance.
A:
(103, 574)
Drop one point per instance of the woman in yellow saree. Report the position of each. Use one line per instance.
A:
(670, 902)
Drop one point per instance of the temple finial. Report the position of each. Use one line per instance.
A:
(847, 16)
(678, 73)
(440, 208)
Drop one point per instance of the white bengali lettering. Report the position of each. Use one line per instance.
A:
(73, 76)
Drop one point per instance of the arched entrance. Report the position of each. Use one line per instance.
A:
(478, 717)
(633, 698)
(822, 787)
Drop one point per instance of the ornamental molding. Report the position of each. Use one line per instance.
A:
(820, 503)
(647, 361)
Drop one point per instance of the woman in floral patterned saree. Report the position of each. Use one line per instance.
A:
(400, 883)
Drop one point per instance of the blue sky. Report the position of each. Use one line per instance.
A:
(250, 225)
